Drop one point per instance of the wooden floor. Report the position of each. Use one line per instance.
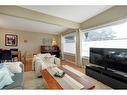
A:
(73, 65)
(28, 65)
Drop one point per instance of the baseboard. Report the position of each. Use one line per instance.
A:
(69, 61)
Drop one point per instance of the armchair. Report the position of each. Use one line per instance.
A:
(40, 63)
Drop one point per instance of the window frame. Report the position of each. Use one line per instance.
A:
(69, 34)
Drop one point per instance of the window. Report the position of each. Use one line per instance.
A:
(108, 37)
(69, 39)
(69, 45)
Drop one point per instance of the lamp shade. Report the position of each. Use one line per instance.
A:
(54, 42)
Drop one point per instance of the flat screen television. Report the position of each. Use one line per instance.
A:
(109, 58)
(97, 56)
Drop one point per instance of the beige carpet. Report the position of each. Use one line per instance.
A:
(32, 82)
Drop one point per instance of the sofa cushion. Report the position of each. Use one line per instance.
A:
(1, 65)
(14, 67)
(18, 82)
(43, 55)
(5, 77)
(4, 65)
(49, 59)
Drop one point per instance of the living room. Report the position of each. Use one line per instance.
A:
(68, 33)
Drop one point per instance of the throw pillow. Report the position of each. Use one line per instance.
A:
(5, 78)
(14, 67)
(43, 55)
(40, 64)
(49, 59)
(52, 59)
(2, 65)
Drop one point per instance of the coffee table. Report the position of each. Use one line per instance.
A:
(71, 80)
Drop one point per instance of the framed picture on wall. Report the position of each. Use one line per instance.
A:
(11, 40)
(46, 41)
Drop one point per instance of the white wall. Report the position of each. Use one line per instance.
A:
(34, 40)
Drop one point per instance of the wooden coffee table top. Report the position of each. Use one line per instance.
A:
(71, 80)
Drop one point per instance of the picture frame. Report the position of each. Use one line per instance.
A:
(11, 40)
(46, 41)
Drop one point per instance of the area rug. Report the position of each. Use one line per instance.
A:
(98, 85)
(32, 82)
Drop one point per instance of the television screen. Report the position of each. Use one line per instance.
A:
(109, 58)
(116, 58)
(96, 56)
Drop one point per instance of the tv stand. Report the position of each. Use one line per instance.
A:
(110, 77)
